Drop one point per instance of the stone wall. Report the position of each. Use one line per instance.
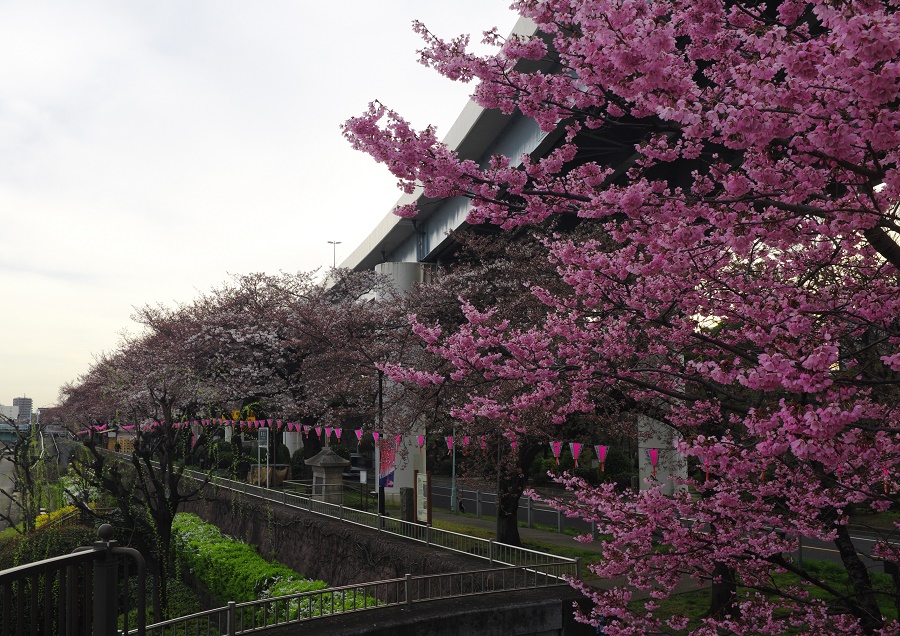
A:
(323, 548)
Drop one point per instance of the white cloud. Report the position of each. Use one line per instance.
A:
(150, 148)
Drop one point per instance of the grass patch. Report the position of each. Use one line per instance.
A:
(461, 528)
(695, 604)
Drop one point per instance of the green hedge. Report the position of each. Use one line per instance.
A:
(43, 543)
(233, 571)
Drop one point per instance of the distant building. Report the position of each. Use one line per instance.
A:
(24, 405)
(11, 412)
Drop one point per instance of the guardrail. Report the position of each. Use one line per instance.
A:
(243, 618)
(487, 549)
(76, 593)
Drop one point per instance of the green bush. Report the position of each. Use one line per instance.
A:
(298, 465)
(43, 544)
(231, 570)
(341, 451)
(282, 454)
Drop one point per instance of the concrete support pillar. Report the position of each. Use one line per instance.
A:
(293, 440)
(653, 435)
(404, 276)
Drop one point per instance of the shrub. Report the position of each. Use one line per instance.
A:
(43, 544)
(282, 454)
(233, 571)
(48, 517)
(341, 451)
(298, 465)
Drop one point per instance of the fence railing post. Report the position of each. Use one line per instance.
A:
(428, 534)
(232, 618)
(105, 584)
(407, 586)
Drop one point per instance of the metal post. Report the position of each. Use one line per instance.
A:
(491, 550)
(105, 584)
(428, 534)
(407, 585)
(478, 504)
(578, 567)
(529, 510)
(232, 615)
(559, 521)
(453, 475)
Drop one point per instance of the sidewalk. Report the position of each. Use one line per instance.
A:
(527, 534)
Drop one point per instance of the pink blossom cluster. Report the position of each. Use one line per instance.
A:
(739, 282)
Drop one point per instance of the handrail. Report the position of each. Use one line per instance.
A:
(53, 563)
(252, 616)
(487, 549)
(72, 593)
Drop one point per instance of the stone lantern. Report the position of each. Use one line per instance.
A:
(327, 469)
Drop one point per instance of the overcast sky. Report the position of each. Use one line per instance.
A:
(152, 148)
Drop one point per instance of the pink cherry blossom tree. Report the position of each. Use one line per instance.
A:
(149, 384)
(497, 271)
(736, 165)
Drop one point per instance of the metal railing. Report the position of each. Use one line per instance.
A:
(487, 549)
(243, 618)
(76, 593)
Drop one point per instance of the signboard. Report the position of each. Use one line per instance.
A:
(264, 437)
(386, 460)
(423, 497)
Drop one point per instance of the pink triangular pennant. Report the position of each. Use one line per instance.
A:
(556, 447)
(601, 456)
(575, 447)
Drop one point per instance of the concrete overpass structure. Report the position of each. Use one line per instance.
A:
(404, 249)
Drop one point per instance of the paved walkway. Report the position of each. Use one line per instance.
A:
(527, 534)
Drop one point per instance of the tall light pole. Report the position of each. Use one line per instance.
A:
(453, 507)
(334, 245)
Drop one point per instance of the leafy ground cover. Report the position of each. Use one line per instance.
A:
(231, 570)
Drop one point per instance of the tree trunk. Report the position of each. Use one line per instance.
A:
(507, 519)
(510, 486)
(862, 603)
(723, 592)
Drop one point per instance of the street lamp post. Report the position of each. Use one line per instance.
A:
(453, 508)
(334, 245)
